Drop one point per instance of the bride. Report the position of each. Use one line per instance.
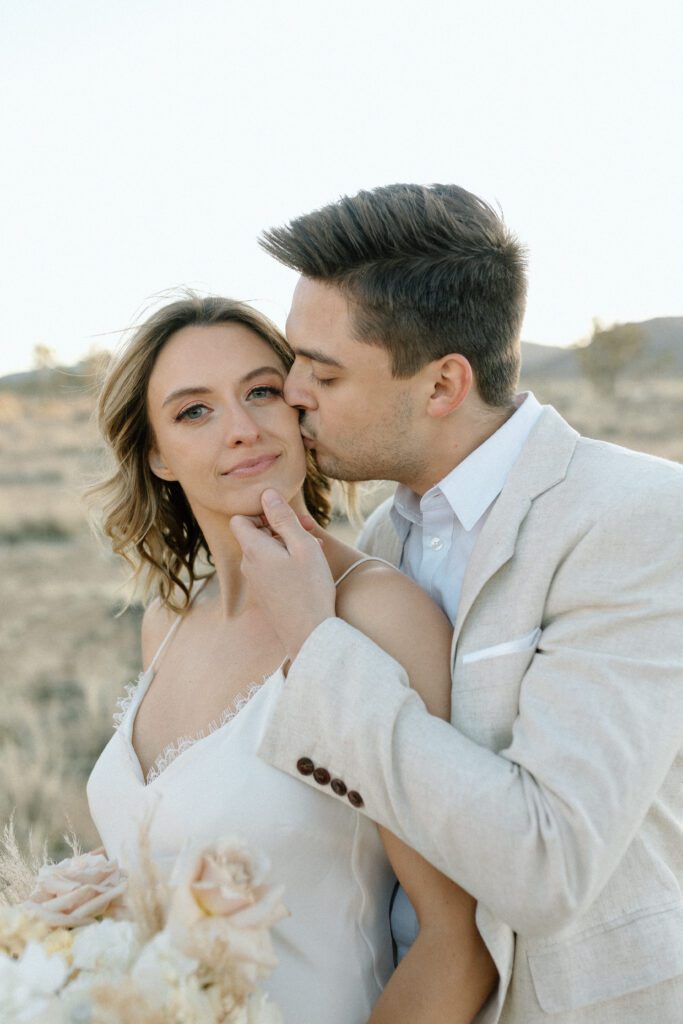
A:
(194, 415)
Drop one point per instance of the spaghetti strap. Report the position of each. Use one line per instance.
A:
(178, 619)
(361, 561)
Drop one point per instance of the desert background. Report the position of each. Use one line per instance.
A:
(67, 652)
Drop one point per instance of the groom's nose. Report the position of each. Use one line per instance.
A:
(298, 391)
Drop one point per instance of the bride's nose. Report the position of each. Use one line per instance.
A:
(241, 428)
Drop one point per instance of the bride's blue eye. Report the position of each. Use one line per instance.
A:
(193, 412)
(264, 391)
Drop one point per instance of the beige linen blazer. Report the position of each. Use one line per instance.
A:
(555, 797)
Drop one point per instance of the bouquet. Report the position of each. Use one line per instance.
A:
(91, 945)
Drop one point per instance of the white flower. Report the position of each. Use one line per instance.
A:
(77, 890)
(28, 985)
(108, 946)
(260, 1010)
(161, 966)
(191, 1004)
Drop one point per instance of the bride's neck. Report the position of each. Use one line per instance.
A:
(232, 593)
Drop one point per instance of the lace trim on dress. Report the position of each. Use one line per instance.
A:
(170, 752)
(125, 700)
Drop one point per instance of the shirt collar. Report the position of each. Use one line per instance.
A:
(472, 486)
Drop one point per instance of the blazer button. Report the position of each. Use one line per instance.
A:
(305, 766)
(354, 798)
(339, 787)
(322, 776)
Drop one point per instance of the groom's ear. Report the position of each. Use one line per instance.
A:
(451, 381)
(158, 466)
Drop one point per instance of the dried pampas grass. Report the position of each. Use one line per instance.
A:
(147, 895)
(18, 869)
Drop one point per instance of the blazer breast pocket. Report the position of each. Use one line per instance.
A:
(521, 643)
(485, 695)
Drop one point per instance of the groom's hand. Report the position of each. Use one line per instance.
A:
(288, 572)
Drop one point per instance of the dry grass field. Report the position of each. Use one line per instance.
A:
(66, 655)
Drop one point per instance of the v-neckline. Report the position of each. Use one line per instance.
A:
(242, 701)
(148, 675)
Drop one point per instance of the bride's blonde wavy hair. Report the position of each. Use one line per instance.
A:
(149, 521)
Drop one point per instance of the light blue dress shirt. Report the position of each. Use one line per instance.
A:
(439, 531)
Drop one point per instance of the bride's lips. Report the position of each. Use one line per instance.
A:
(251, 467)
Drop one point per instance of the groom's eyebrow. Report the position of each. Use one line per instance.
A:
(318, 357)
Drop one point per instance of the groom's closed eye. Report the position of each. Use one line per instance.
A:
(320, 380)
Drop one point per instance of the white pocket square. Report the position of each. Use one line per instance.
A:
(522, 643)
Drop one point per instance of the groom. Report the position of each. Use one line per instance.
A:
(555, 798)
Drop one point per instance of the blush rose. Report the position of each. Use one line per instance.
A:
(78, 890)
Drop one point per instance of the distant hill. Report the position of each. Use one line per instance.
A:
(663, 355)
(58, 380)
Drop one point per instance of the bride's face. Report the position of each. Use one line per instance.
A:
(221, 427)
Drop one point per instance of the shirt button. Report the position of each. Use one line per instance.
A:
(436, 543)
(305, 765)
(354, 798)
(339, 787)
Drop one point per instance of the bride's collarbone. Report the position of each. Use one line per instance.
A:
(207, 645)
(201, 676)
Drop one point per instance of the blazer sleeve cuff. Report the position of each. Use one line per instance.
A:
(331, 675)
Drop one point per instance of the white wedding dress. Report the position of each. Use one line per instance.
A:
(334, 950)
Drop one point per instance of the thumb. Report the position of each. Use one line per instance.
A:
(281, 518)
(244, 530)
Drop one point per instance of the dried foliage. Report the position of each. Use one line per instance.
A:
(147, 895)
(18, 868)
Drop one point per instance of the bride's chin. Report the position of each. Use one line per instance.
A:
(252, 505)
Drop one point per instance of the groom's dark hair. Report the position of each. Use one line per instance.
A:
(429, 270)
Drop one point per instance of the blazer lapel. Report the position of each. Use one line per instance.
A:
(542, 463)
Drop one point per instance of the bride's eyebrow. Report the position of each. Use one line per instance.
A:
(200, 390)
(182, 392)
(260, 370)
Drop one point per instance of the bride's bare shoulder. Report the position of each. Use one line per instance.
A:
(374, 583)
(398, 615)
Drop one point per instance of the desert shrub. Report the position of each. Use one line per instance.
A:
(46, 530)
(609, 353)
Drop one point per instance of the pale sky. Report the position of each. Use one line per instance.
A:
(146, 143)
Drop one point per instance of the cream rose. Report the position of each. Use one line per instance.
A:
(77, 890)
(224, 880)
(219, 893)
